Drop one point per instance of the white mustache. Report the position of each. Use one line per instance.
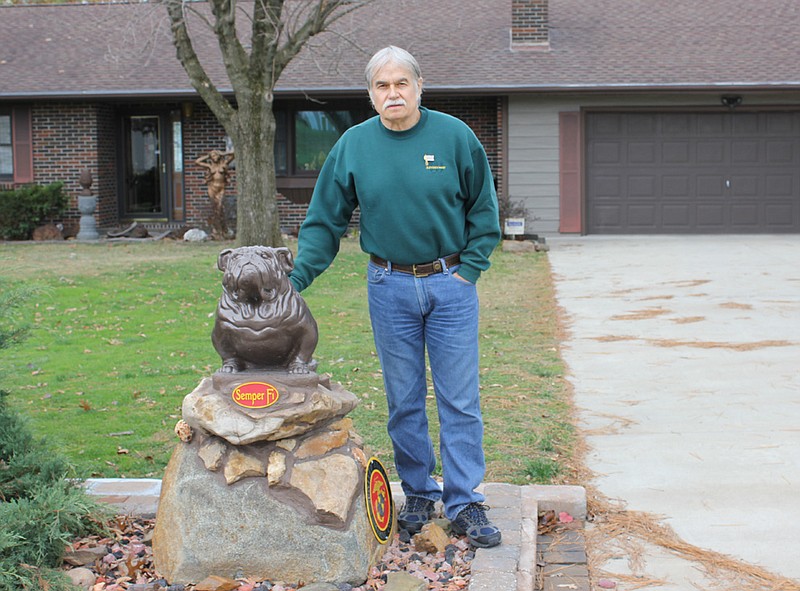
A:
(395, 102)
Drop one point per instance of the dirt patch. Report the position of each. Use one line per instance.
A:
(696, 344)
(720, 345)
(736, 306)
(656, 297)
(687, 282)
(617, 424)
(644, 314)
(687, 319)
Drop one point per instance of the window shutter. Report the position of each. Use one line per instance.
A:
(22, 136)
(570, 172)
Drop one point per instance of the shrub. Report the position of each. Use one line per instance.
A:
(40, 508)
(23, 210)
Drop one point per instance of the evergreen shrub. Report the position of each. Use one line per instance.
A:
(22, 210)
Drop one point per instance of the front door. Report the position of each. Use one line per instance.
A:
(144, 190)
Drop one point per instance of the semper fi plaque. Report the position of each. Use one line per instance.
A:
(255, 395)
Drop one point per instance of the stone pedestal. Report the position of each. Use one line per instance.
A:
(271, 493)
(88, 225)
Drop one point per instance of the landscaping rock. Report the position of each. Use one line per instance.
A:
(404, 582)
(82, 577)
(283, 484)
(431, 538)
(195, 235)
(518, 246)
(47, 232)
(302, 406)
(321, 587)
(215, 583)
(84, 556)
(206, 526)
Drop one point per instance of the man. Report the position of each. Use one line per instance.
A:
(429, 222)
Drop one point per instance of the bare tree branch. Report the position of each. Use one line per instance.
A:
(278, 30)
(191, 63)
(319, 18)
(234, 56)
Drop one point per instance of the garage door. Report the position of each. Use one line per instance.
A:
(727, 172)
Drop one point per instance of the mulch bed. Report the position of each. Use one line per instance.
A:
(124, 562)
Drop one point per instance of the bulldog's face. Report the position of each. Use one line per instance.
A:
(254, 276)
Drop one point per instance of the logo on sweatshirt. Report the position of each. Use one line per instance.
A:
(430, 163)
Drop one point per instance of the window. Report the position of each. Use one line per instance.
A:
(304, 137)
(16, 144)
(6, 147)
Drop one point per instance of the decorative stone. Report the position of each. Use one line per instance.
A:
(287, 444)
(84, 556)
(214, 583)
(518, 246)
(330, 482)
(401, 581)
(206, 527)
(276, 468)
(212, 453)
(47, 232)
(432, 539)
(183, 431)
(322, 444)
(195, 235)
(242, 464)
(82, 577)
(362, 458)
(303, 404)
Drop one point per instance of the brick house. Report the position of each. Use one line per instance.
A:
(600, 117)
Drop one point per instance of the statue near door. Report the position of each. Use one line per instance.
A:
(216, 176)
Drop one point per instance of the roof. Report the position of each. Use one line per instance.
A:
(123, 50)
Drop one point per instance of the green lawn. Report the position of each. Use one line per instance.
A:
(121, 333)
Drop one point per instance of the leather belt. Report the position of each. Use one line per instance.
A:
(420, 270)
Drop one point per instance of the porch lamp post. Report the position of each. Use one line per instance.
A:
(86, 205)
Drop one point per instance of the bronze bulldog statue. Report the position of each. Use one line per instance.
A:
(262, 322)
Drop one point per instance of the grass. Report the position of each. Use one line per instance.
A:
(121, 333)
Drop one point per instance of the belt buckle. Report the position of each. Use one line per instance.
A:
(436, 267)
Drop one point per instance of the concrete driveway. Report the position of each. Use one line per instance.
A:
(684, 353)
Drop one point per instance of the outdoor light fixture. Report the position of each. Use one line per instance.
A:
(731, 101)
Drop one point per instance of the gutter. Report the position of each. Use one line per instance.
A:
(498, 89)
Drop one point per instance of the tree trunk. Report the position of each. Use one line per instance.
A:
(257, 220)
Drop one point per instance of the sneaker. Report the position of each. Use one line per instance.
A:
(416, 512)
(473, 522)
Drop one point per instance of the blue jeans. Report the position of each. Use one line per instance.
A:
(438, 313)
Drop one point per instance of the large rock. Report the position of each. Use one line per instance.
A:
(206, 527)
(273, 493)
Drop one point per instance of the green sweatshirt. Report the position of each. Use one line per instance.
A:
(424, 193)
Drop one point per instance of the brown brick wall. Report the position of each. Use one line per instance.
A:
(70, 137)
(201, 134)
(483, 115)
(64, 144)
(529, 22)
